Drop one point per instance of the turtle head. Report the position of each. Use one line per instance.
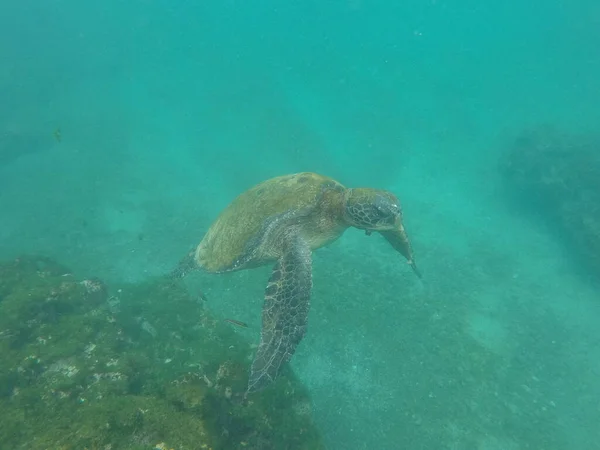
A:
(372, 209)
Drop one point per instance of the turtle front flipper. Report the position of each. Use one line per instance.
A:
(285, 312)
(399, 240)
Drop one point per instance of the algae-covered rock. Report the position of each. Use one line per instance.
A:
(558, 177)
(138, 367)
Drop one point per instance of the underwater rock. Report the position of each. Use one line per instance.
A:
(559, 176)
(81, 370)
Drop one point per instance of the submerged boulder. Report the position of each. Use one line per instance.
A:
(133, 367)
(557, 176)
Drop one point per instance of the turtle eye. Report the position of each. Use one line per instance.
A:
(385, 215)
(385, 209)
(381, 212)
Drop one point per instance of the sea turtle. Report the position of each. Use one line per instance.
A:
(281, 221)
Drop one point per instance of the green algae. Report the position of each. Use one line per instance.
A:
(132, 367)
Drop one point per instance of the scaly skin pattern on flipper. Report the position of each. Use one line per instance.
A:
(285, 312)
(399, 240)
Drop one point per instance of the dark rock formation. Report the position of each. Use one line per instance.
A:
(558, 177)
(138, 367)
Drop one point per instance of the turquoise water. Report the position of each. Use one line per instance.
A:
(167, 110)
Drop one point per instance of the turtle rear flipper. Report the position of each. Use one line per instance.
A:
(285, 312)
(185, 265)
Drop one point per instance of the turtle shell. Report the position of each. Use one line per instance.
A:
(231, 237)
